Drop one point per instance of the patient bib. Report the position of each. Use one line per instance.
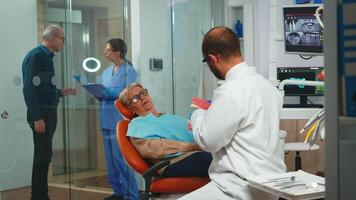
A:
(166, 126)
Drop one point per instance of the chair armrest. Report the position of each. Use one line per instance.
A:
(148, 175)
(153, 169)
(173, 155)
(156, 167)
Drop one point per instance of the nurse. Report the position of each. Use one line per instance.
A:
(115, 78)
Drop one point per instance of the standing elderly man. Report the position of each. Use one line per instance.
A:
(241, 127)
(41, 98)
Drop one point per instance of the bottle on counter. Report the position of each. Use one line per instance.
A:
(238, 29)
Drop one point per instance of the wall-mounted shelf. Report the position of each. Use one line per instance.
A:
(298, 113)
(237, 10)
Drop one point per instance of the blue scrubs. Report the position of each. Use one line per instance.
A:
(121, 177)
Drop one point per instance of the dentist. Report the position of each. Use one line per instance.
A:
(241, 127)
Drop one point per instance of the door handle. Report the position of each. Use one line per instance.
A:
(4, 115)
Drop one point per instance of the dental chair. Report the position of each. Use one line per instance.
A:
(154, 184)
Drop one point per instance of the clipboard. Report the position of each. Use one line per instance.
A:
(97, 90)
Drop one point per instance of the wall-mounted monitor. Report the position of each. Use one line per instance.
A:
(302, 32)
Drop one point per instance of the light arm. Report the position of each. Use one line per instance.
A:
(298, 82)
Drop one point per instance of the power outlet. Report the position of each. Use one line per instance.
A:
(156, 64)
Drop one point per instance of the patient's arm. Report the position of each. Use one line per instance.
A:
(158, 148)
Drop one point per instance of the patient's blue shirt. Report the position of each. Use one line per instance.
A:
(167, 126)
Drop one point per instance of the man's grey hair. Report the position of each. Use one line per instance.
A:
(51, 31)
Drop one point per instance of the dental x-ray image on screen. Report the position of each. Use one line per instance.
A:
(303, 34)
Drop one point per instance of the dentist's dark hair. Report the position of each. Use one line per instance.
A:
(221, 41)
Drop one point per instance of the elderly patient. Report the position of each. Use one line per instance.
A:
(157, 136)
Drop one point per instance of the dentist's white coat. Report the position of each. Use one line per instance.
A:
(241, 130)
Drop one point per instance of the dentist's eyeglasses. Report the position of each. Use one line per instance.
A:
(138, 96)
(62, 38)
(109, 50)
(205, 59)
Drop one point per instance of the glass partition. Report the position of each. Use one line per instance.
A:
(173, 34)
(78, 167)
(18, 35)
(165, 30)
(191, 20)
(78, 148)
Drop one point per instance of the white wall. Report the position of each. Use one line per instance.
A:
(260, 27)
(279, 58)
(156, 35)
(18, 34)
(155, 42)
(191, 18)
(268, 44)
(268, 38)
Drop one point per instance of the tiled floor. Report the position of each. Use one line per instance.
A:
(56, 193)
(90, 185)
(93, 182)
(89, 179)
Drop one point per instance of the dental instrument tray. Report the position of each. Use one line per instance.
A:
(291, 185)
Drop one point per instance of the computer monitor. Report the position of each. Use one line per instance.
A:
(302, 32)
(301, 73)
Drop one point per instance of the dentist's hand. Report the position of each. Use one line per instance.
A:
(190, 126)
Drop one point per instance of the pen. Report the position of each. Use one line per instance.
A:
(313, 136)
(311, 130)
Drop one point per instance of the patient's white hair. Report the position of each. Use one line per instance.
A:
(124, 95)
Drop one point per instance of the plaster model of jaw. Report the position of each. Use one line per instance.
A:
(200, 103)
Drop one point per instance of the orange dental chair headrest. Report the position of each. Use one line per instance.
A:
(124, 111)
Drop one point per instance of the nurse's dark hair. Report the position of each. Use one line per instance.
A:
(221, 41)
(118, 44)
(124, 95)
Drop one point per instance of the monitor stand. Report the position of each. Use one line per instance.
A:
(303, 104)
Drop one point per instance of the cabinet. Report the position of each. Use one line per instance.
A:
(340, 133)
(237, 10)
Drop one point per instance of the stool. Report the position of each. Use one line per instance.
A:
(298, 147)
(282, 137)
